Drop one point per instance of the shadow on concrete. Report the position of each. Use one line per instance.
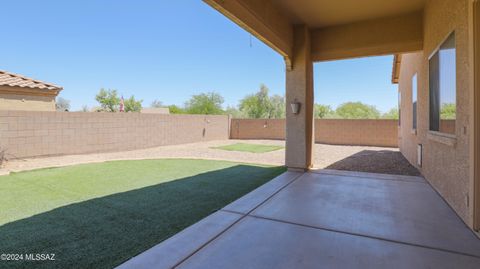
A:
(104, 232)
(377, 161)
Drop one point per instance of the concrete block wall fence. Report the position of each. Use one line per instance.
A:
(31, 134)
(382, 133)
(258, 129)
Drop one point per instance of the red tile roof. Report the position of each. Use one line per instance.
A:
(14, 80)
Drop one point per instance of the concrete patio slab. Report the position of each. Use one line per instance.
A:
(402, 211)
(180, 246)
(259, 243)
(324, 220)
(369, 175)
(247, 203)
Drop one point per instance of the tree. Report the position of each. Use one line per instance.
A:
(176, 110)
(448, 111)
(234, 112)
(392, 114)
(260, 105)
(256, 106)
(132, 105)
(357, 110)
(205, 104)
(277, 107)
(84, 108)
(156, 104)
(108, 100)
(323, 111)
(62, 104)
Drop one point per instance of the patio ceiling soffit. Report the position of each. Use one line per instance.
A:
(269, 23)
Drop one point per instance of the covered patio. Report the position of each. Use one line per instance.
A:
(305, 32)
(310, 218)
(325, 219)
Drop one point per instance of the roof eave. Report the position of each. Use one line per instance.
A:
(397, 62)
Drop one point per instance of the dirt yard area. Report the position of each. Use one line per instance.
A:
(353, 158)
(376, 161)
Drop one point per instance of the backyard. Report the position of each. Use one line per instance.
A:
(99, 215)
(259, 151)
(99, 210)
(250, 134)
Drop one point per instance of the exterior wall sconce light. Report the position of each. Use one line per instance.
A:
(265, 125)
(295, 105)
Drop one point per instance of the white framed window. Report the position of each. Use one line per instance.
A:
(442, 87)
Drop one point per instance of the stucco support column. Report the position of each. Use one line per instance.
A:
(299, 127)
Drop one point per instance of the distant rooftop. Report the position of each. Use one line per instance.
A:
(14, 80)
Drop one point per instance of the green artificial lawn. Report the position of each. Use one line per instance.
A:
(254, 148)
(100, 215)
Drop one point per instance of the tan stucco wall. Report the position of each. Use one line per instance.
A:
(26, 102)
(475, 140)
(373, 37)
(329, 131)
(411, 64)
(299, 89)
(29, 134)
(445, 166)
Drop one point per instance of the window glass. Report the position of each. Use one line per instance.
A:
(414, 102)
(399, 107)
(442, 76)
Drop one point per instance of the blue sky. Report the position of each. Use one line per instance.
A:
(165, 50)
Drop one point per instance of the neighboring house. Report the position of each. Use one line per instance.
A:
(21, 93)
(156, 110)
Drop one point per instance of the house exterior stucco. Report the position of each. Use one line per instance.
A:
(446, 160)
(16, 101)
